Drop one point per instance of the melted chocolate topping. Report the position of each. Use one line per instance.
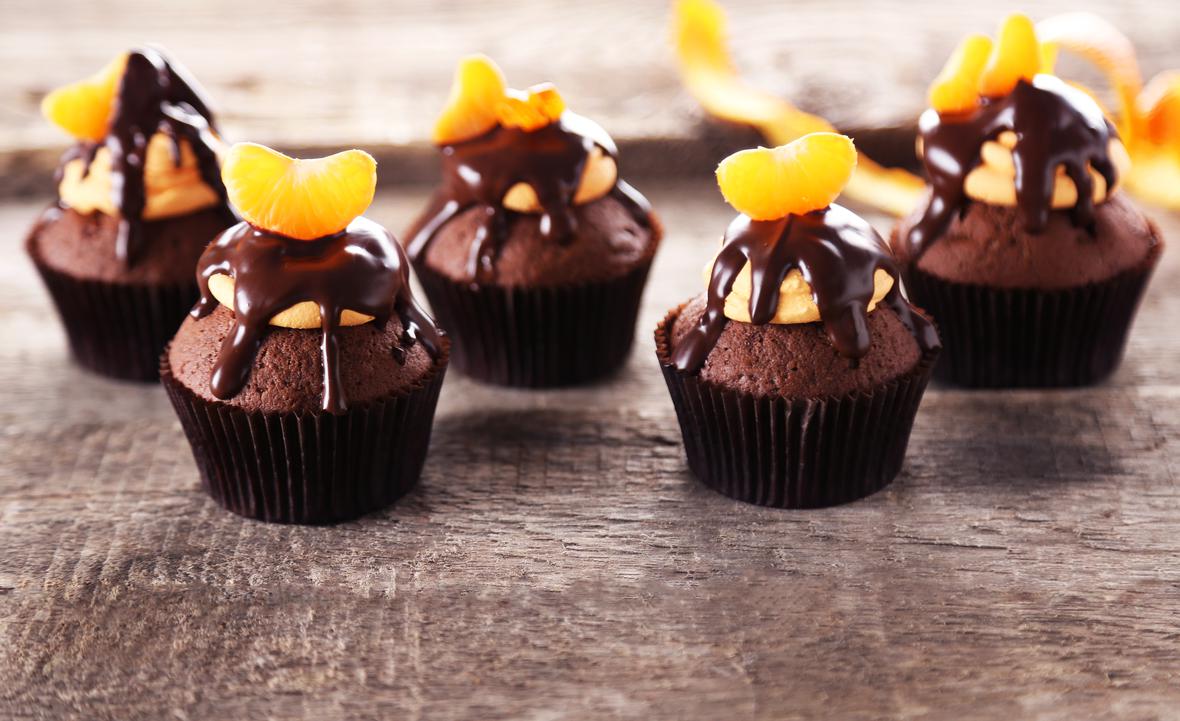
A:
(836, 251)
(154, 95)
(361, 268)
(480, 172)
(1056, 126)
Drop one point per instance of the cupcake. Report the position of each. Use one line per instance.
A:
(796, 376)
(139, 198)
(306, 376)
(1024, 250)
(533, 253)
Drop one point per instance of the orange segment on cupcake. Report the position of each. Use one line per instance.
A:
(769, 184)
(804, 175)
(83, 109)
(299, 199)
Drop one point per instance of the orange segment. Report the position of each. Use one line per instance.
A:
(799, 177)
(533, 109)
(476, 94)
(83, 109)
(956, 89)
(303, 199)
(1016, 56)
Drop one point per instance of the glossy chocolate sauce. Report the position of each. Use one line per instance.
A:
(154, 95)
(836, 251)
(1055, 125)
(362, 269)
(479, 172)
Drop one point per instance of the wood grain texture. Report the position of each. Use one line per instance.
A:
(322, 74)
(559, 562)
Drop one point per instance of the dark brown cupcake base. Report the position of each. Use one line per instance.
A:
(537, 337)
(116, 329)
(1030, 338)
(308, 468)
(793, 453)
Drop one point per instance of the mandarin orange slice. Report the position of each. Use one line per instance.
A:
(476, 94)
(83, 109)
(956, 89)
(804, 175)
(302, 199)
(532, 109)
(1016, 56)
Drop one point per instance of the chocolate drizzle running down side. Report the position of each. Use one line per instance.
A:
(362, 269)
(154, 95)
(479, 172)
(1055, 125)
(836, 251)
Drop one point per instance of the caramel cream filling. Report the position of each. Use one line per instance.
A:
(169, 189)
(598, 177)
(993, 181)
(305, 315)
(796, 302)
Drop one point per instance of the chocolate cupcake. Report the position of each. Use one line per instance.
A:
(1025, 251)
(533, 253)
(797, 375)
(307, 376)
(140, 196)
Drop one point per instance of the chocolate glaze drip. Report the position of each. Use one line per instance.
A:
(154, 95)
(479, 172)
(836, 251)
(1056, 126)
(362, 269)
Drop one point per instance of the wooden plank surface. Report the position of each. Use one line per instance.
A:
(322, 74)
(559, 562)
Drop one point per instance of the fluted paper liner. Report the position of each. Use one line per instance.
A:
(1030, 338)
(793, 452)
(537, 336)
(116, 329)
(309, 468)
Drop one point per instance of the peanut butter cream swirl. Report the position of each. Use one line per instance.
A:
(155, 97)
(839, 256)
(361, 270)
(1051, 127)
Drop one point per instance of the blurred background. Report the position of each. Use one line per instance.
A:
(373, 73)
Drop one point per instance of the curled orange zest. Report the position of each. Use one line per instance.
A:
(709, 74)
(1148, 118)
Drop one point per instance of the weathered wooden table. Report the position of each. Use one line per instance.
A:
(558, 561)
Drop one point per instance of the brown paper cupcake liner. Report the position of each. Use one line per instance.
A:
(1028, 338)
(538, 337)
(793, 453)
(117, 329)
(308, 468)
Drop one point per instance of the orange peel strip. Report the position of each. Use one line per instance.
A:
(708, 72)
(1151, 138)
